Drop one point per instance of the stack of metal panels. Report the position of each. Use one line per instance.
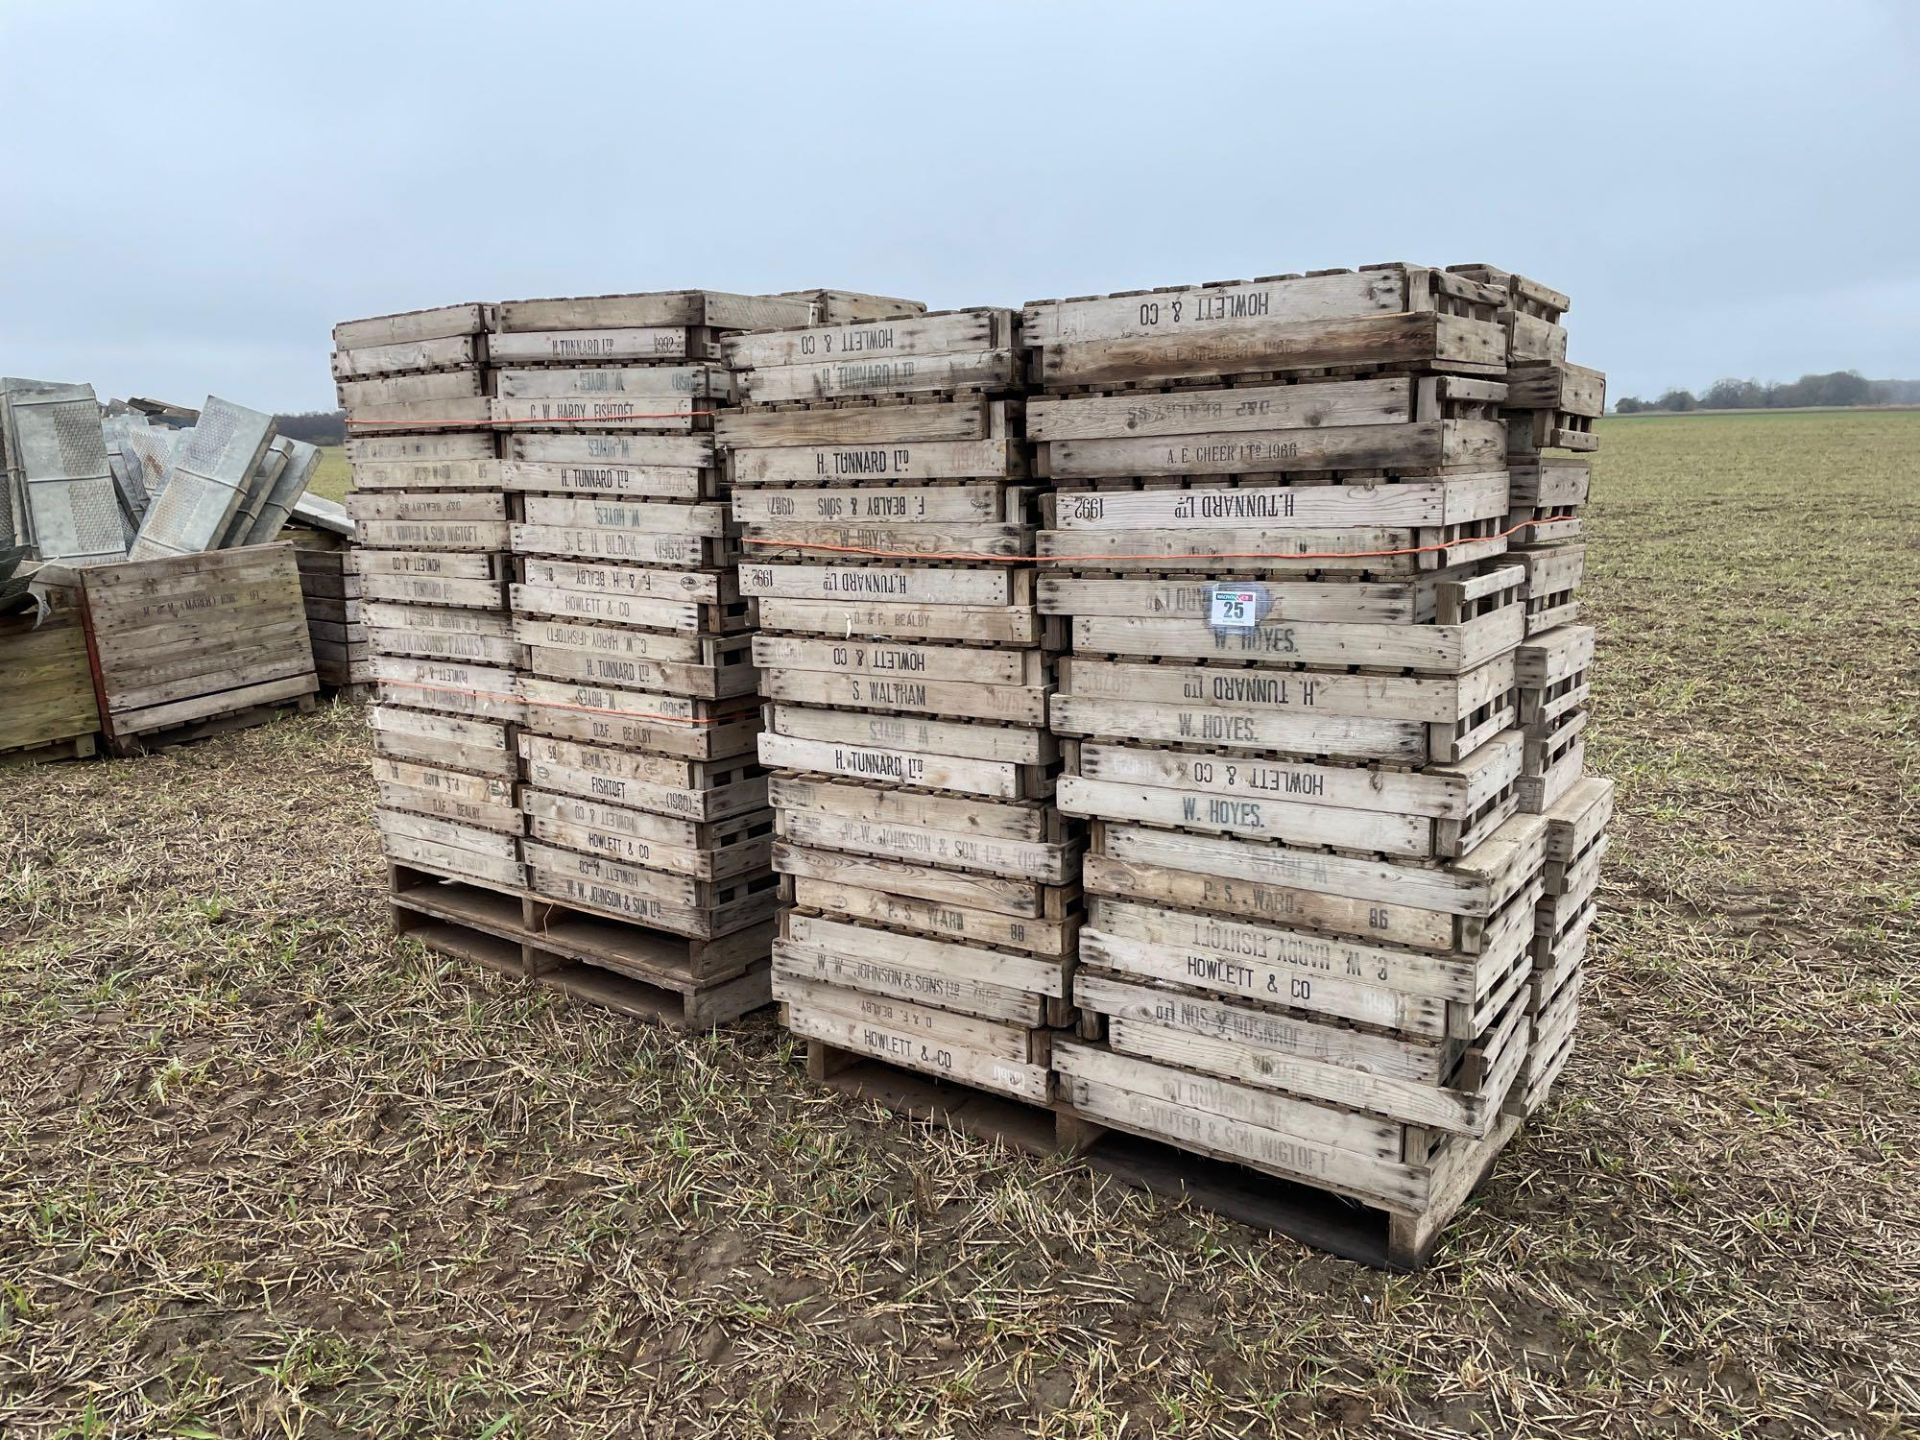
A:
(63, 501)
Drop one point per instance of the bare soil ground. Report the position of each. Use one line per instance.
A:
(266, 1170)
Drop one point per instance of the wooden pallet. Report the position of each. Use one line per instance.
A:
(684, 984)
(1383, 1239)
(205, 727)
(78, 747)
(1318, 1218)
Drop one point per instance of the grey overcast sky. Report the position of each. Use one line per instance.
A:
(193, 193)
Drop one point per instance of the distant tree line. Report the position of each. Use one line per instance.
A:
(1841, 387)
(316, 427)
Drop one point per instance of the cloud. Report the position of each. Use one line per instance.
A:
(211, 187)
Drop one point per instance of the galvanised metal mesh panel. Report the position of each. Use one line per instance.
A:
(207, 483)
(323, 514)
(59, 455)
(15, 576)
(259, 485)
(129, 475)
(12, 532)
(152, 446)
(302, 459)
(129, 521)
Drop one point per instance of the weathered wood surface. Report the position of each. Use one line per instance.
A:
(978, 504)
(636, 547)
(714, 309)
(979, 624)
(1454, 500)
(650, 897)
(1550, 482)
(898, 1039)
(424, 474)
(998, 778)
(911, 584)
(650, 517)
(186, 637)
(1436, 649)
(1022, 745)
(450, 385)
(472, 799)
(455, 535)
(462, 412)
(452, 687)
(430, 506)
(1375, 550)
(1555, 656)
(633, 720)
(588, 451)
(1024, 898)
(688, 789)
(890, 805)
(608, 383)
(1054, 938)
(877, 462)
(942, 333)
(1408, 601)
(1572, 389)
(604, 346)
(411, 326)
(1388, 316)
(1309, 803)
(1577, 820)
(1455, 444)
(1049, 863)
(445, 352)
(634, 481)
(601, 579)
(1005, 704)
(459, 743)
(681, 413)
(45, 681)
(418, 449)
(902, 422)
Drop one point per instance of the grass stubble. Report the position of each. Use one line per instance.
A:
(266, 1169)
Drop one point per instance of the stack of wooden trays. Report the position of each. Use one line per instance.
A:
(330, 588)
(932, 885)
(1291, 712)
(648, 828)
(431, 522)
(1550, 410)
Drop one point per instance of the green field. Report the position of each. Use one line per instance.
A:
(335, 476)
(269, 1170)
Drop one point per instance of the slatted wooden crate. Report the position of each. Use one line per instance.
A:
(420, 372)
(1563, 922)
(330, 586)
(190, 645)
(51, 711)
(882, 478)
